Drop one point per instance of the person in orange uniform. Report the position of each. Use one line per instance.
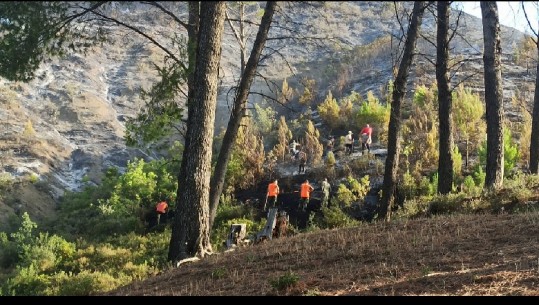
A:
(161, 208)
(273, 191)
(305, 194)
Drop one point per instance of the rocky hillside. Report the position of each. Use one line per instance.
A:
(67, 125)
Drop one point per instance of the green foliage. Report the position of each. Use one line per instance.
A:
(24, 234)
(312, 222)
(330, 159)
(49, 265)
(525, 130)
(428, 187)
(329, 111)
(335, 217)
(158, 121)
(6, 182)
(344, 196)
(457, 162)
(285, 281)
(34, 31)
(468, 111)
(420, 131)
(44, 252)
(415, 207)
(308, 92)
(246, 165)
(219, 273)
(265, 119)
(372, 112)
(424, 97)
(33, 178)
(479, 176)
(284, 135)
(525, 52)
(312, 145)
(468, 183)
(120, 204)
(359, 188)
(28, 282)
(408, 185)
(229, 213)
(287, 93)
(446, 204)
(510, 155)
(8, 252)
(346, 110)
(94, 269)
(85, 283)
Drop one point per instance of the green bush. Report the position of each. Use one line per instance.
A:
(86, 283)
(330, 159)
(334, 217)
(479, 177)
(412, 208)
(457, 162)
(49, 265)
(344, 197)
(372, 112)
(27, 282)
(119, 205)
(8, 252)
(510, 155)
(289, 279)
(468, 185)
(446, 204)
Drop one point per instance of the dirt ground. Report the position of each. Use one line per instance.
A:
(486, 255)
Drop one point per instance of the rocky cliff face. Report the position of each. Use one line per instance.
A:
(69, 122)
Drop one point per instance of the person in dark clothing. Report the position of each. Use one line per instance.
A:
(302, 161)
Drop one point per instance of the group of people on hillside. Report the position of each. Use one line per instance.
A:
(365, 138)
(305, 194)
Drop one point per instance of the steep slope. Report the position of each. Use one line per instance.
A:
(468, 255)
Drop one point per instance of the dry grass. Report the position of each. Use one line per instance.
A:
(451, 255)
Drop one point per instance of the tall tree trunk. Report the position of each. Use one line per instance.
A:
(534, 141)
(445, 161)
(393, 146)
(493, 94)
(243, 48)
(190, 230)
(238, 110)
(192, 42)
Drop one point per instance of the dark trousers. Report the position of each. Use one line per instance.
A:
(303, 202)
(365, 145)
(272, 201)
(159, 217)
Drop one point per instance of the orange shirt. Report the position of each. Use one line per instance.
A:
(273, 189)
(161, 207)
(306, 190)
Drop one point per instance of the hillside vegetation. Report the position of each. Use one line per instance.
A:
(77, 204)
